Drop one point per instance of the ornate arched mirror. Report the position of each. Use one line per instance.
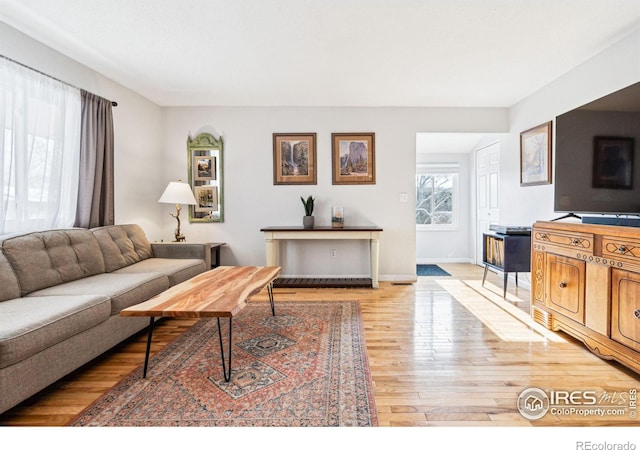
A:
(205, 177)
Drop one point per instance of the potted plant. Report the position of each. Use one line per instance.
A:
(307, 220)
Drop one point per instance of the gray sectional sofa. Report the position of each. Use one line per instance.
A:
(61, 292)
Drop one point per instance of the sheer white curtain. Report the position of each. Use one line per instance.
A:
(39, 150)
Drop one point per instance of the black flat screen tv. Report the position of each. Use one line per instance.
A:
(596, 169)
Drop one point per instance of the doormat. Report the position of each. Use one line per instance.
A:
(305, 366)
(431, 270)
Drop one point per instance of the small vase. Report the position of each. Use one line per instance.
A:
(307, 221)
(337, 217)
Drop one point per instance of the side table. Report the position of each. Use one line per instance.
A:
(506, 253)
(209, 251)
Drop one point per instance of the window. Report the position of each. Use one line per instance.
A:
(436, 197)
(39, 150)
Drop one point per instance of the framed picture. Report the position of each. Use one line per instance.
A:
(613, 162)
(294, 158)
(353, 158)
(205, 159)
(207, 198)
(535, 155)
(204, 168)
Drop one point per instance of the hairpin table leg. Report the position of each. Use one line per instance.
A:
(146, 356)
(227, 375)
(273, 305)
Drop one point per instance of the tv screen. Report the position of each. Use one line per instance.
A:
(596, 170)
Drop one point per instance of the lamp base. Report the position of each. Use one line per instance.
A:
(178, 235)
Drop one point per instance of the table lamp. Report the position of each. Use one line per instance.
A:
(179, 193)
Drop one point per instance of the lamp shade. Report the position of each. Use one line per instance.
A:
(179, 193)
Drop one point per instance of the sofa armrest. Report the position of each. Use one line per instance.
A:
(182, 250)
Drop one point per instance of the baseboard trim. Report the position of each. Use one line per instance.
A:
(399, 278)
(444, 260)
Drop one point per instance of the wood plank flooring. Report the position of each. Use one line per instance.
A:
(443, 351)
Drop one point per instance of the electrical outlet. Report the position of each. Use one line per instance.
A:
(333, 253)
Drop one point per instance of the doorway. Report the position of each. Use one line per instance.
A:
(487, 192)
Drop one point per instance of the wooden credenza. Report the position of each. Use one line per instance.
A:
(586, 282)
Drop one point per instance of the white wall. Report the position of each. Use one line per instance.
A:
(252, 201)
(613, 69)
(151, 150)
(138, 155)
(150, 146)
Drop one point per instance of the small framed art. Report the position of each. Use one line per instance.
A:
(353, 158)
(294, 158)
(204, 168)
(207, 198)
(535, 155)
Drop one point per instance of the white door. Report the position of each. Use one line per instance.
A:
(488, 181)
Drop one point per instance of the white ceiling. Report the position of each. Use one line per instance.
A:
(486, 53)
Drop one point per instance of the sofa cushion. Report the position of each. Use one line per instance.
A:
(9, 287)
(49, 258)
(29, 325)
(122, 245)
(124, 289)
(178, 270)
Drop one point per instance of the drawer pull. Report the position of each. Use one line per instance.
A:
(637, 313)
(622, 249)
(575, 241)
(562, 285)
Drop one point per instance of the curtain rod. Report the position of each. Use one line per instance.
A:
(49, 76)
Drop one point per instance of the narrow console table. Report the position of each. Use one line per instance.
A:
(273, 235)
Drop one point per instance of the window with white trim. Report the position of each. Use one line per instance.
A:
(39, 150)
(437, 196)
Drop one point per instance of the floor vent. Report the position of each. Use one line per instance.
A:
(542, 317)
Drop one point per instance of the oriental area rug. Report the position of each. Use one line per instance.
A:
(305, 366)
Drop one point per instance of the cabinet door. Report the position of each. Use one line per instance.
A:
(625, 308)
(565, 286)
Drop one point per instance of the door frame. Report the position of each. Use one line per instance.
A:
(477, 232)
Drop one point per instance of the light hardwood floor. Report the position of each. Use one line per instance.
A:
(443, 352)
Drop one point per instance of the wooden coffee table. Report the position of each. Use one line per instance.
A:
(220, 292)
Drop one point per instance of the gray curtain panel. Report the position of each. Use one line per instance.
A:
(95, 193)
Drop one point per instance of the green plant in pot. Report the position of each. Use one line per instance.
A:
(307, 220)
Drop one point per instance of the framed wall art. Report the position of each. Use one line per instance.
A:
(204, 168)
(353, 158)
(204, 153)
(535, 155)
(612, 162)
(294, 158)
(206, 198)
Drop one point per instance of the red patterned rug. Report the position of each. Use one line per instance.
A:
(307, 366)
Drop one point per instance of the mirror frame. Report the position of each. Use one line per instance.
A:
(205, 151)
